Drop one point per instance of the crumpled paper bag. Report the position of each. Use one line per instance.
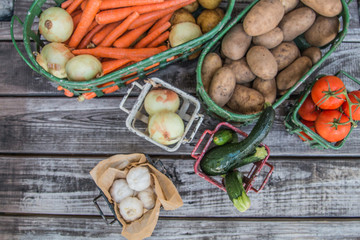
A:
(117, 166)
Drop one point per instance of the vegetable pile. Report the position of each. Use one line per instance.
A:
(258, 59)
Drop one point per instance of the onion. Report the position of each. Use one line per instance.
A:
(158, 100)
(83, 68)
(53, 58)
(131, 209)
(56, 24)
(166, 127)
(184, 32)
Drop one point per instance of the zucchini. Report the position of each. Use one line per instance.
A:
(236, 192)
(225, 136)
(220, 160)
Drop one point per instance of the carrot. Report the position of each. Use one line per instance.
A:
(83, 4)
(128, 38)
(76, 19)
(119, 30)
(97, 39)
(109, 4)
(87, 18)
(151, 36)
(152, 16)
(110, 66)
(74, 13)
(120, 53)
(66, 4)
(87, 39)
(73, 6)
(109, 16)
(160, 22)
(92, 25)
(159, 40)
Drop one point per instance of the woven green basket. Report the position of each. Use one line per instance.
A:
(139, 70)
(295, 126)
(214, 110)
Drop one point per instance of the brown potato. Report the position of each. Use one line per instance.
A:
(313, 53)
(261, 62)
(181, 15)
(327, 8)
(235, 43)
(297, 22)
(192, 7)
(246, 100)
(267, 88)
(289, 4)
(263, 17)
(241, 70)
(208, 19)
(293, 73)
(270, 39)
(209, 4)
(285, 54)
(212, 62)
(323, 31)
(222, 86)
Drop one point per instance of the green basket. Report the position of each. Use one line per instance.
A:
(295, 126)
(216, 111)
(118, 78)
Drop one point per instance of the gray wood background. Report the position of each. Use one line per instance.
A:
(49, 143)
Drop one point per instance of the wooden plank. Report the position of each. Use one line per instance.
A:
(13, 227)
(310, 187)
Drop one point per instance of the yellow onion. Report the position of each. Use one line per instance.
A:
(83, 67)
(56, 24)
(184, 32)
(53, 58)
(166, 127)
(158, 100)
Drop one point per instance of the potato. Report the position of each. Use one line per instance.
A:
(313, 53)
(263, 17)
(181, 15)
(246, 100)
(208, 19)
(222, 86)
(192, 7)
(220, 11)
(267, 88)
(323, 31)
(290, 75)
(261, 62)
(285, 54)
(212, 62)
(289, 4)
(235, 43)
(209, 4)
(241, 70)
(327, 8)
(270, 39)
(297, 22)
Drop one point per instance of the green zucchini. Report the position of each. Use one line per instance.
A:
(236, 192)
(220, 160)
(225, 136)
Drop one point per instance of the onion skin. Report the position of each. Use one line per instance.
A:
(184, 32)
(158, 100)
(56, 24)
(83, 68)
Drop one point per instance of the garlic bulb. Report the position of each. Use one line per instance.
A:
(131, 208)
(120, 190)
(147, 197)
(138, 178)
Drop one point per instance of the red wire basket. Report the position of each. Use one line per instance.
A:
(248, 179)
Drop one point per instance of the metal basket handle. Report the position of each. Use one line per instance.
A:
(122, 103)
(101, 212)
(199, 118)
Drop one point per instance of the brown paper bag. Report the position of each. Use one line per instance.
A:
(117, 166)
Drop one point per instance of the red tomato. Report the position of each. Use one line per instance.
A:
(310, 125)
(326, 92)
(308, 110)
(327, 125)
(354, 98)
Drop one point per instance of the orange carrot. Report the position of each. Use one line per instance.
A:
(159, 40)
(87, 39)
(161, 21)
(151, 36)
(92, 25)
(76, 19)
(73, 6)
(119, 30)
(110, 66)
(83, 5)
(109, 16)
(74, 13)
(87, 18)
(109, 4)
(128, 38)
(97, 39)
(66, 4)
(152, 16)
(120, 53)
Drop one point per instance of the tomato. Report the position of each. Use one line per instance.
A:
(308, 110)
(326, 92)
(354, 98)
(328, 127)
(310, 125)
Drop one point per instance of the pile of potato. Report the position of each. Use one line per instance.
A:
(258, 59)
